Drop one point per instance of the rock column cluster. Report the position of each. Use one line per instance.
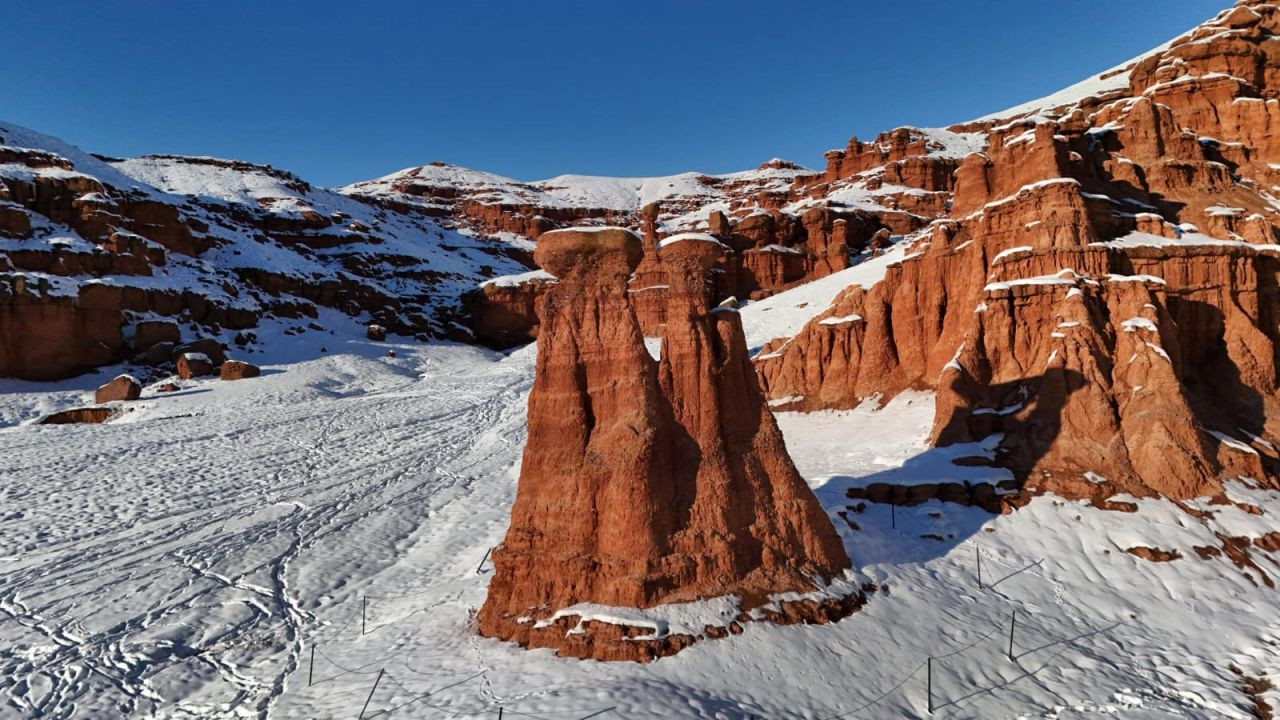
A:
(646, 481)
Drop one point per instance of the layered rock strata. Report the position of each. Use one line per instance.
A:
(1104, 297)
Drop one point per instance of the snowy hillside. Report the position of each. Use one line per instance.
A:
(271, 547)
(218, 247)
(570, 191)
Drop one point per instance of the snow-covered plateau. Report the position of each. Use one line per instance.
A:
(312, 543)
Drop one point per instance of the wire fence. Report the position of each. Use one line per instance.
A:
(1017, 625)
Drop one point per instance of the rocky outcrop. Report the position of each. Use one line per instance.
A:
(110, 265)
(46, 334)
(644, 481)
(1103, 298)
(501, 310)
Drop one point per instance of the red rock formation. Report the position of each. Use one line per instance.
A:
(238, 370)
(193, 364)
(149, 333)
(122, 387)
(47, 336)
(647, 482)
(502, 311)
(1071, 304)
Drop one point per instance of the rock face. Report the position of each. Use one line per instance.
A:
(104, 261)
(502, 310)
(648, 481)
(1104, 295)
(123, 387)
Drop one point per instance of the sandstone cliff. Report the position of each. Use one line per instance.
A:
(1102, 295)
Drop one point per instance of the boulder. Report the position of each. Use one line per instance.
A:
(158, 354)
(238, 370)
(194, 364)
(123, 387)
(148, 333)
(210, 348)
(376, 333)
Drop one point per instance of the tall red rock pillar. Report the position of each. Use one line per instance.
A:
(647, 482)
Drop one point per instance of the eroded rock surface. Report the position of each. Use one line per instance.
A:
(1103, 296)
(645, 481)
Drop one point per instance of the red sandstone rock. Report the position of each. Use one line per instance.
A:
(644, 482)
(376, 333)
(44, 336)
(502, 310)
(123, 387)
(210, 348)
(1108, 367)
(238, 370)
(149, 333)
(193, 364)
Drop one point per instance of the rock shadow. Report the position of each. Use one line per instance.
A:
(943, 496)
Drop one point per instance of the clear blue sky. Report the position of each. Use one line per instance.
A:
(345, 91)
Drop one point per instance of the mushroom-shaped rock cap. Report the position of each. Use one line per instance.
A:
(559, 251)
(703, 248)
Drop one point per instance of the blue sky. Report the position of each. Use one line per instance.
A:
(345, 91)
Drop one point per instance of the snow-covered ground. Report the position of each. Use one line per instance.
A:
(276, 547)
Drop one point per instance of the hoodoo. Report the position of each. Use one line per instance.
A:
(647, 482)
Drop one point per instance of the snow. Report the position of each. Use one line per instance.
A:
(200, 555)
(1159, 351)
(1190, 238)
(210, 178)
(689, 237)
(950, 144)
(573, 191)
(781, 249)
(842, 320)
(1011, 252)
(520, 279)
(1065, 276)
(673, 619)
(1232, 442)
(1029, 187)
(628, 194)
(786, 313)
(195, 555)
(654, 346)
(1116, 78)
(954, 362)
(1136, 278)
(1135, 324)
(16, 136)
